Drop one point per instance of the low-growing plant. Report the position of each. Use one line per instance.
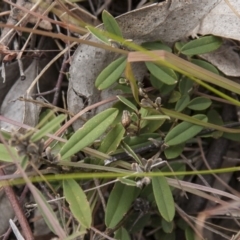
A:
(129, 149)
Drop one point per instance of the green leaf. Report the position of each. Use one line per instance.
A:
(167, 226)
(133, 82)
(6, 135)
(163, 74)
(201, 45)
(150, 125)
(199, 103)
(87, 134)
(178, 46)
(174, 151)
(128, 103)
(184, 131)
(78, 202)
(119, 202)
(185, 85)
(163, 197)
(182, 103)
(189, 233)
(99, 34)
(140, 222)
(127, 182)
(156, 83)
(112, 139)
(156, 46)
(130, 152)
(204, 64)
(232, 136)
(111, 24)
(142, 138)
(165, 236)
(215, 118)
(111, 73)
(156, 117)
(122, 234)
(174, 97)
(47, 128)
(4, 154)
(176, 167)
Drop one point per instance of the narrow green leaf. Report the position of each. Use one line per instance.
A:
(178, 46)
(174, 151)
(156, 117)
(127, 182)
(119, 202)
(206, 65)
(130, 152)
(90, 131)
(182, 103)
(6, 135)
(47, 128)
(142, 138)
(201, 45)
(167, 226)
(174, 97)
(156, 83)
(150, 125)
(165, 236)
(232, 136)
(185, 85)
(97, 33)
(215, 118)
(140, 222)
(112, 140)
(111, 73)
(176, 167)
(78, 202)
(128, 103)
(133, 83)
(111, 24)
(122, 234)
(4, 154)
(189, 233)
(164, 74)
(156, 46)
(163, 197)
(200, 103)
(184, 131)
(162, 87)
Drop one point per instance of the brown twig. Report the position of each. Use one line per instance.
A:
(18, 210)
(60, 79)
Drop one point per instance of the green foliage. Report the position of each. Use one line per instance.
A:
(119, 202)
(184, 131)
(77, 202)
(111, 24)
(122, 234)
(111, 73)
(200, 103)
(86, 135)
(47, 128)
(7, 153)
(167, 111)
(163, 74)
(163, 198)
(112, 139)
(201, 45)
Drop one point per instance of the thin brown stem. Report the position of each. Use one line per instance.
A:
(17, 209)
